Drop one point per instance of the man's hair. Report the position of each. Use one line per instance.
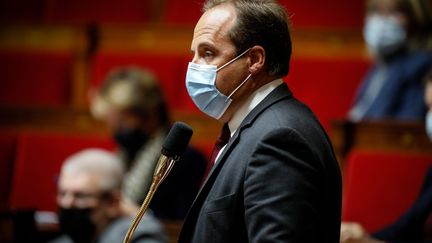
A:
(263, 23)
(104, 164)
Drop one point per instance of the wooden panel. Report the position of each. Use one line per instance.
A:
(384, 135)
(80, 121)
(310, 42)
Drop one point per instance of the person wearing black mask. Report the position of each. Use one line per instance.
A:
(131, 103)
(89, 201)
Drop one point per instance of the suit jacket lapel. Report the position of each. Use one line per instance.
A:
(281, 92)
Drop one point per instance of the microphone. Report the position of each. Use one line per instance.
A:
(173, 148)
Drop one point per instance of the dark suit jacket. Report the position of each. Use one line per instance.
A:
(409, 227)
(277, 180)
(402, 95)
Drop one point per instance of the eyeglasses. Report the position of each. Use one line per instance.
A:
(80, 199)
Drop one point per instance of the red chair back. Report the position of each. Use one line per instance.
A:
(381, 186)
(38, 162)
(33, 78)
(8, 142)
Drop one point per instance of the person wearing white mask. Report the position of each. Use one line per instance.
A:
(398, 34)
(274, 177)
(415, 225)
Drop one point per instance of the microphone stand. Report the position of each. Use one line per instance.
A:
(163, 167)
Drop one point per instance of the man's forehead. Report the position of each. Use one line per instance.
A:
(220, 13)
(78, 181)
(214, 24)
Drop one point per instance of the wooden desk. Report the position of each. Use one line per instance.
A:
(383, 135)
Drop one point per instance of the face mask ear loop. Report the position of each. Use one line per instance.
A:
(238, 87)
(233, 60)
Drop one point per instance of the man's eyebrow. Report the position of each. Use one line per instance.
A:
(207, 44)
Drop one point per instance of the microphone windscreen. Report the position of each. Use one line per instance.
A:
(177, 140)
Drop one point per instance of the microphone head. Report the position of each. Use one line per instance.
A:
(177, 140)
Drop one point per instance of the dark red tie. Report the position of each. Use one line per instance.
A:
(221, 141)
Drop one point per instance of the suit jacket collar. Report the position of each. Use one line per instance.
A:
(281, 92)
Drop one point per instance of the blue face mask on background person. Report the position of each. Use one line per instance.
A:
(429, 124)
(384, 35)
(201, 86)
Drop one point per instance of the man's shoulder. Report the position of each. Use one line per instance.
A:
(147, 223)
(288, 113)
(414, 62)
(148, 229)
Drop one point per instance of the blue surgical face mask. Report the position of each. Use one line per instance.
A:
(201, 86)
(384, 35)
(429, 124)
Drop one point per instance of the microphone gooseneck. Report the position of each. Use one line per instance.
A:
(173, 147)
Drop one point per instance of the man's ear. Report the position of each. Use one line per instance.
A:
(257, 59)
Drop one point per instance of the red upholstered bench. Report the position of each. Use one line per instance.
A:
(328, 86)
(319, 14)
(8, 141)
(179, 12)
(108, 11)
(20, 11)
(35, 78)
(38, 161)
(381, 186)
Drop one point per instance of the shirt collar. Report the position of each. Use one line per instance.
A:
(251, 102)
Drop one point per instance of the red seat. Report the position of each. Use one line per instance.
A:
(30, 78)
(319, 14)
(182, 12)
(39, 158)
(8, 142)
(326, 85)
(169, 69)
(20, 11)
(108, 11)
(381, 186)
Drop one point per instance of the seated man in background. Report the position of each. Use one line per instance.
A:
(416, 224)
(89, 201)
(131, 103)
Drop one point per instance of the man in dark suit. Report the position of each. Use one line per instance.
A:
(276, 179)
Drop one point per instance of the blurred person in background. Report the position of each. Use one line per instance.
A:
(416, 224)
(89, 201)
(131, 103)
(398, 34)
